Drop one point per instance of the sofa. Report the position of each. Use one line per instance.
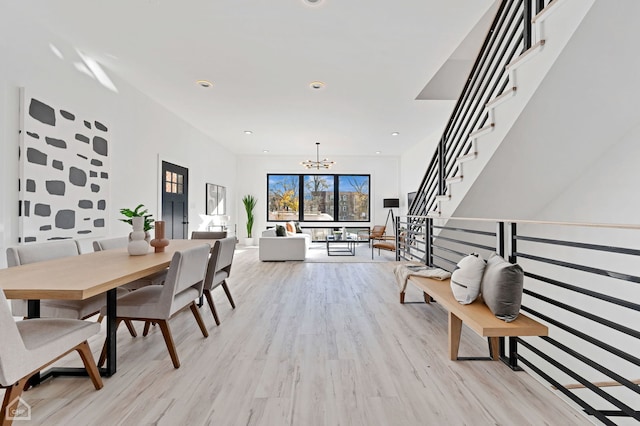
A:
(293, 246)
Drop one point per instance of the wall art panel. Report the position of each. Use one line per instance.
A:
(64, 171)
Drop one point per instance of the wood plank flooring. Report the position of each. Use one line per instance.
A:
(308, 344)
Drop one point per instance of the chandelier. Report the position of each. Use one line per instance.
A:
(318, 164)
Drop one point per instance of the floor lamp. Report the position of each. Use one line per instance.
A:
(390, 203)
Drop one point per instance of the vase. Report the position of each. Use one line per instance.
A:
(138, 246)
(159, 242)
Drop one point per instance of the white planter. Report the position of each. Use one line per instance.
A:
(138, 245)
(248, 241)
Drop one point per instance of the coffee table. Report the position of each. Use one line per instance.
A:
(343, 247)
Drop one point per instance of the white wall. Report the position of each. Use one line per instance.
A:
(252, 179)
(141, 129)
(413, 165)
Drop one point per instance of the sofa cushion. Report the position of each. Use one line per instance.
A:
(291, 228)
(466, 278)
(502, 285)
(281, 231)
(298, 229)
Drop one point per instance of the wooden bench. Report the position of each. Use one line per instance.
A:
(476, 316)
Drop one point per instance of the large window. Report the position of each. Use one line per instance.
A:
(318, 198)
(284, 200)
(318, 195)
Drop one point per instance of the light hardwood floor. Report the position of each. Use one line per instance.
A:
(308, 344)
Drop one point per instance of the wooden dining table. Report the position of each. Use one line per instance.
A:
(84, 276)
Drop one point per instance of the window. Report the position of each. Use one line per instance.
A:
(173, 183)
(318, 198)
(283, 195)
(318, 195)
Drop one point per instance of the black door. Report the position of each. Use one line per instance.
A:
(175, 185)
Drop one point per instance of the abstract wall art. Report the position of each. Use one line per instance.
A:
(64, 172)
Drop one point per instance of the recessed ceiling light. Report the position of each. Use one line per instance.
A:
(248, 132)
(316, 85)
(395, 133)
(313, 2)
(378, 152)
(266, 151)
(204, 83)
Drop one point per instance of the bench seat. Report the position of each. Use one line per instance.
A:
(476, 316)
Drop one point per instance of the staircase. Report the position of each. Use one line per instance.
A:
(525, 39)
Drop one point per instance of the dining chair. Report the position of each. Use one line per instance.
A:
(76, 309)
(31, 345)
(208, 235)
(218, 270)
(121, 242)
(158, 304)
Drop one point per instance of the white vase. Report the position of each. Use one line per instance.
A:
(138, 245)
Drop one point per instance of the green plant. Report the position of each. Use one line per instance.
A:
(249, 202)
(137, 212)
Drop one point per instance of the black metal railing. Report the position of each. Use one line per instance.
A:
(581, 280)
(509, 36)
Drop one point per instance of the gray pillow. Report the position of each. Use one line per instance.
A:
(466, 279)
(281, 231)
(502, 285)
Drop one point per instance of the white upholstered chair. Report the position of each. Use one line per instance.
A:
(158, 304)
(218, 270)
(121, 242)
(29, 346)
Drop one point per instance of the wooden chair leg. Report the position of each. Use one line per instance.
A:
(168, 340)
(90, 364)
(196, 314)
(11, 401)
(226, 290)
(147, 325)
(131, 328)
(207, 293)
(402, 298)
(100, 318)
(103, 354)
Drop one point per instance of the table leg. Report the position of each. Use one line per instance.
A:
(33, 311)
(111, 334)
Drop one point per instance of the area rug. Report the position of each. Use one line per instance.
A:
(318, 254)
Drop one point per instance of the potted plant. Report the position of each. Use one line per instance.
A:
(139, 211)
(249, 202)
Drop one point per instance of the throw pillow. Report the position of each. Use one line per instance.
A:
(291, 228)
(298, 229)
(466, 278)
(281, 231)
(502, 285)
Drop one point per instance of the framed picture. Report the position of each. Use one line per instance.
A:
(216, 199)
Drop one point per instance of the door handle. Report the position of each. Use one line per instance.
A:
(185, 223)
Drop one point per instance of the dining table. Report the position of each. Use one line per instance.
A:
(83, 276)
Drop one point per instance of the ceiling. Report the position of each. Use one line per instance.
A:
(261, 57)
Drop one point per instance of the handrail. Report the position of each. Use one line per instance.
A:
(509, 36)
(538, 222)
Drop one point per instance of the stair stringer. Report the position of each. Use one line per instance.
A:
(552, 30)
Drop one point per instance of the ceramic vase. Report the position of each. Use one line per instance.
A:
(159, 242)
(138, 246)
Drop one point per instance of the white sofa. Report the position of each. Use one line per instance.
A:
(291, 247)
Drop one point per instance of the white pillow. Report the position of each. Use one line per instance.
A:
(467, 277)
